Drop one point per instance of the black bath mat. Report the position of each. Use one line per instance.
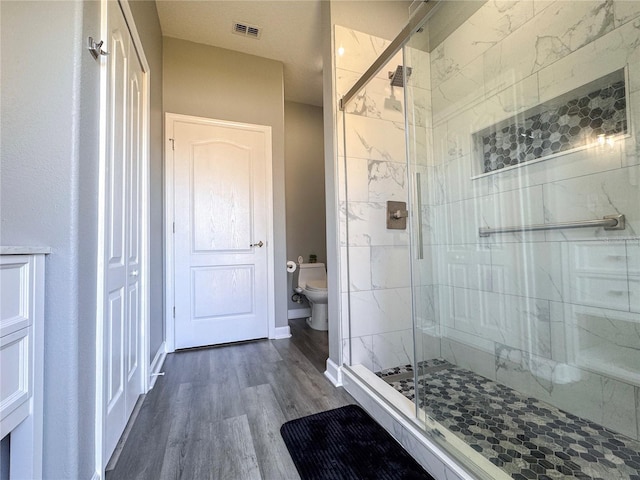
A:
(347, 444)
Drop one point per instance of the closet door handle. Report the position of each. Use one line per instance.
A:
(259, 244)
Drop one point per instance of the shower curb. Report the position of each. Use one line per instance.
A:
(429, 455)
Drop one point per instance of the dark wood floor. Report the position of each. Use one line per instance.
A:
(217, 412)
(312, 343)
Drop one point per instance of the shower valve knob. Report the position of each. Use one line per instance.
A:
(400, 214)
(397, 215)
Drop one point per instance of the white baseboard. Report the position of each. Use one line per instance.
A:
(298, 313)
(156, 365)
(281, 332)
(333, 373)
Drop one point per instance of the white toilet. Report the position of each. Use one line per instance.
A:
(312, 279)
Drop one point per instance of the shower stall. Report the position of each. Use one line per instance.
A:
(489, 193)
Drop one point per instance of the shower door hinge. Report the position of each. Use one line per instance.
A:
(173, 143)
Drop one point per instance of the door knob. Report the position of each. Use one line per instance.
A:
(259, 244)
(134, 273)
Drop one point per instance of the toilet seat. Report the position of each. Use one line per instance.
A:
(312, 281)
(316, 285)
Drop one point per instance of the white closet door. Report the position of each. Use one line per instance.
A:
(123, 219)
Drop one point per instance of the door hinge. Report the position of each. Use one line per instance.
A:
(174, 312)
(174, 227)
(173, 143)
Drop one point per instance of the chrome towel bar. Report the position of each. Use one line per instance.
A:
(609, 222)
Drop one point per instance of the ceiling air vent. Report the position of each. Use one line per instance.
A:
(246, 30)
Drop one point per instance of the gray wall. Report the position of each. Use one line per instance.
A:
(304, 162)
(216, 83)
(48, 187)
(304, 158)
(148, 25)
(382, 18)
(48, 197)
(4, 457)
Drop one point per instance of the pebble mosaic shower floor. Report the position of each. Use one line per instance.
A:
(526, 437)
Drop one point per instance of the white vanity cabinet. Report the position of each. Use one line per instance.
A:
(21, 357)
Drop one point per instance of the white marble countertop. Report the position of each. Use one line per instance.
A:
(24, 250)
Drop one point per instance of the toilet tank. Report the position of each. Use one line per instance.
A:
(311, 272)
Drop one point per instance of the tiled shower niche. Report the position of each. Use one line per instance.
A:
(591, 114)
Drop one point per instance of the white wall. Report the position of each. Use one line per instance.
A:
(216, 83)
(329, 109)
(48, 185)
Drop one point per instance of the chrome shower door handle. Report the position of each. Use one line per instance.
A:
(259, 244)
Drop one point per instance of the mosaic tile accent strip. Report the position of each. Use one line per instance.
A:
(395, 371)
(526, 437)
(577, 122)
(406, 387)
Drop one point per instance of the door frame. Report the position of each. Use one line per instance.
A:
(169, 196)
(100, 393)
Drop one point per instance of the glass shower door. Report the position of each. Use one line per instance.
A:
(376, 296)
(524, 153)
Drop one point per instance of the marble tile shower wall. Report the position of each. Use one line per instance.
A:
(553, 314)
(378, 259)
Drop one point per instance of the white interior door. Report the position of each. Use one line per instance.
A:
(123, 225)
(222, 225)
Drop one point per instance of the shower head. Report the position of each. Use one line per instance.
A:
(397, 77)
